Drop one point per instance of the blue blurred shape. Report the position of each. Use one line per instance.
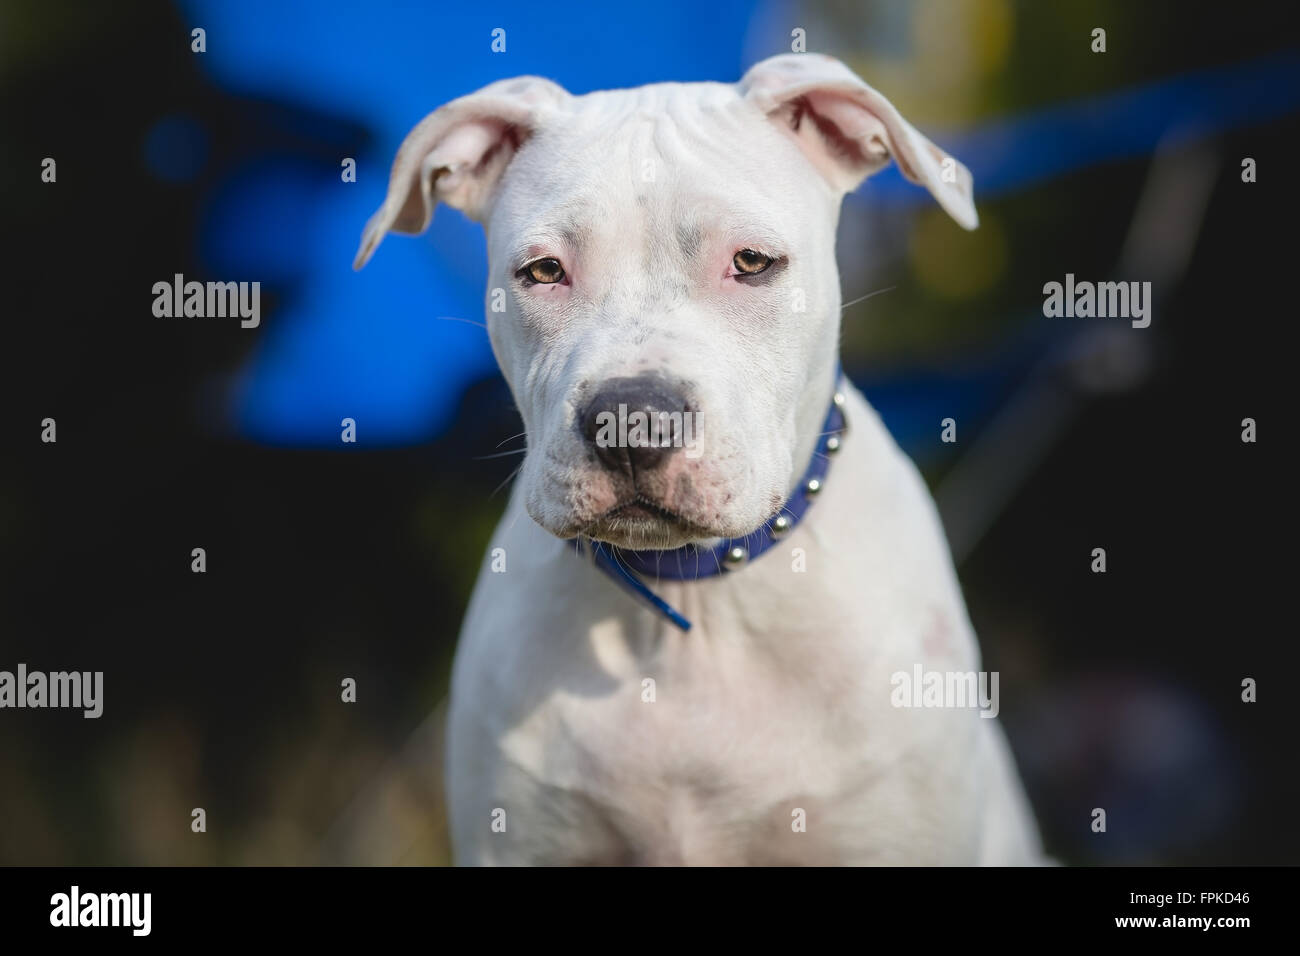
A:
(394, 346)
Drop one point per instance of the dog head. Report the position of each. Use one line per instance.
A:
(663, 298)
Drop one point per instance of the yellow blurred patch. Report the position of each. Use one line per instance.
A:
(953, 263)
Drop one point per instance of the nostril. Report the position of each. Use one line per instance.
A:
(592, 421)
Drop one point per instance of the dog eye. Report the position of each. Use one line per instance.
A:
(544, 271)
(750, 263)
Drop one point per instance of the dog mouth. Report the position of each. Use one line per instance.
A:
(641, 507)
(641, 522)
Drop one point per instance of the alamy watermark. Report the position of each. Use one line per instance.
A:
(946, 689)
(82, 690)
(75, 908)
(642, 429)
(209, 300)
(1102, 300)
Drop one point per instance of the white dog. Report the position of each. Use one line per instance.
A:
(711, 675)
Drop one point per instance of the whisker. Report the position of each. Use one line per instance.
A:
(869, 295)
(500, 454)
(512, 524)
(456, 318)
(509, 478)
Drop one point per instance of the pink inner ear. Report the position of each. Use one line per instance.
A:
(460, 153)
(861, 131)
(844, 140)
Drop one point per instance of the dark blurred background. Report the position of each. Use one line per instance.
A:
(1119, 690)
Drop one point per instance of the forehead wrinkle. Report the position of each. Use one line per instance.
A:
(691, 138)
(721, 140)
(690, 237)
(707, 218)
(708, 135)
(565, 226)
(656, 217)
(674, 234)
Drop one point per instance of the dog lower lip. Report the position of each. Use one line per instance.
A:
(642, 507)
(642, 523)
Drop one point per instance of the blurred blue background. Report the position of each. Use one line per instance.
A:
(377, 347)
(371, 346)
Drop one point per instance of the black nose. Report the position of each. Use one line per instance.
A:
(624, 440)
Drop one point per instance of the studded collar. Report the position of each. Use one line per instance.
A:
(627, 568)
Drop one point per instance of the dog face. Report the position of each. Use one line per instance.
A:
(663, 298)
(669, 253)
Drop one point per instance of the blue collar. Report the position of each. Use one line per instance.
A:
(691, 562)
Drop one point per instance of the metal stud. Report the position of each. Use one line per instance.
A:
(833, 444)
(813, 486)
(781, 525)
(736, 556)
(839, 399)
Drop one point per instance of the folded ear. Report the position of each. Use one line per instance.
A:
(850, 131)
(457, 154)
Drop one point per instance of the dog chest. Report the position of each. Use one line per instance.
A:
(711, 755)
